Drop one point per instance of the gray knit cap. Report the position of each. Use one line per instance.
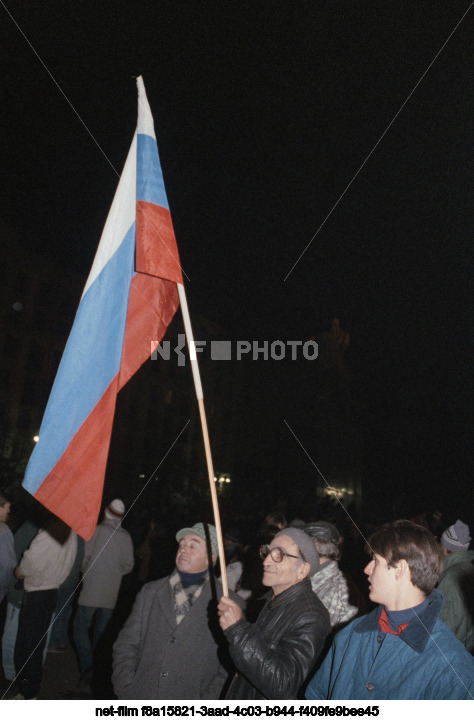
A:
(305, 544)
(456, 537)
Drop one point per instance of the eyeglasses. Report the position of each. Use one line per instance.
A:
(277, 554)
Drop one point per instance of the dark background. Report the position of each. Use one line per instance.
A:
(264, 113)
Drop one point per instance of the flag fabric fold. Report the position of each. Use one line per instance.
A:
(129, 299)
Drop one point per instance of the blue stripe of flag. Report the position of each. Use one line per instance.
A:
(90, 361)
(150, 183)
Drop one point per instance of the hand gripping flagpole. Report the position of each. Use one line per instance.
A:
(205, 432)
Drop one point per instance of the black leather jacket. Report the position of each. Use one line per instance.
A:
(275, 655)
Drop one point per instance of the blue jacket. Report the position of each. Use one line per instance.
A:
(425, 661)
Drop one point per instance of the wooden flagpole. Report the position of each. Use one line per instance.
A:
(205, 432)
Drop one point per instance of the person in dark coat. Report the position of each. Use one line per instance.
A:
(7, 551)
(275, 655)
(456, 583)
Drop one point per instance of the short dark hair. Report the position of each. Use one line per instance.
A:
(413, 543)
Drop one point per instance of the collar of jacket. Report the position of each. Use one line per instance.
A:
(458, 558)
(289, 594)
(326, 569)
(418, 631)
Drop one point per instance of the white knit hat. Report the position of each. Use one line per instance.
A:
(115, 510)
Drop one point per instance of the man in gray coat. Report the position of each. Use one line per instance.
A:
(171, 646)
(108, 556)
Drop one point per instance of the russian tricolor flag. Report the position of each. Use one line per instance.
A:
(128, 302)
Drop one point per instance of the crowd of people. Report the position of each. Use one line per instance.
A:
(298, 622)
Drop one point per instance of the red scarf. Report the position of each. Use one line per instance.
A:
(385, 627)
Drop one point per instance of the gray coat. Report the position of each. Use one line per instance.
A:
(153, 658)
(107, 557)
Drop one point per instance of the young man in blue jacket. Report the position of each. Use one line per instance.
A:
(402, 649)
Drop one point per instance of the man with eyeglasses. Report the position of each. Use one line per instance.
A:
(275, 655)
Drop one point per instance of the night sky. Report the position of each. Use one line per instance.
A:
(264, 114)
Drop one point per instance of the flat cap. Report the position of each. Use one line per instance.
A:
(199, 530)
